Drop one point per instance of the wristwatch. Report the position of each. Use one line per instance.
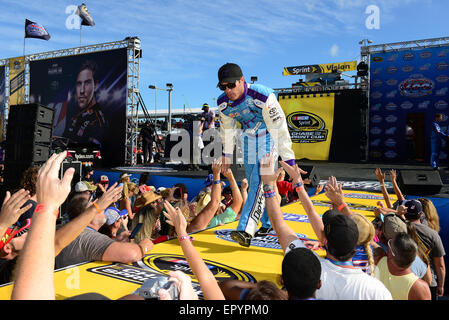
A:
(268, 187)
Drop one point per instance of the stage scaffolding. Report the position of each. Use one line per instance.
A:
(134, 54)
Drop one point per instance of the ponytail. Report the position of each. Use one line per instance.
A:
(411, 230)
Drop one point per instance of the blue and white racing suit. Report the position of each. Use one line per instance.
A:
(435, 143)
(264, 129)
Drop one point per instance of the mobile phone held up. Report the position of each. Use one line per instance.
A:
(135, 230)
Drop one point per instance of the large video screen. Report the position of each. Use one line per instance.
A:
(88, 95)
(407, 88)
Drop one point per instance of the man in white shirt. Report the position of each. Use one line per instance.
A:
(340, 280)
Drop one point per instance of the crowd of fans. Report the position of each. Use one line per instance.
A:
(398, 255)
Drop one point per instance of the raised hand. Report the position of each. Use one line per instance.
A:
(228, 173)
(393, 175)
(50, 190)
(218, 167)
(293, 171)
(380, 175)
(111, 195)
(184, 284)
(334, 191)
(11, 208)
(175, 218)
(244, 184)
(226, 163)
(267, 174)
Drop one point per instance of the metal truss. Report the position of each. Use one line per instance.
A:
(404, 45)
(132, 102)
(5, 63)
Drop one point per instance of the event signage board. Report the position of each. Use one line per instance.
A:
(16, 81)
(320, 68)
(406, 85)
(88, 94)
(310, 123)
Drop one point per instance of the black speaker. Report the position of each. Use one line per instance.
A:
(31, 113)
(312, 174)
(28, 140)
(28, 134)
(420, 182)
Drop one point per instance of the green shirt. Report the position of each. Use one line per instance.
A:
(227, 216)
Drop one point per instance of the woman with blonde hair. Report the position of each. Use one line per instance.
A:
(431, 214)
(130, 189)
(364, 257)
(149, 207)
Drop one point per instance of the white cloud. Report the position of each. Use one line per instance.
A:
(334, 50)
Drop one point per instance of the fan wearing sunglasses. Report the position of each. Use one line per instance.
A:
(264, 130)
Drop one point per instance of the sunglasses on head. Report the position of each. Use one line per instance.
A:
(228, 85)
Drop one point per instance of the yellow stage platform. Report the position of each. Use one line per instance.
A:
(225, 258)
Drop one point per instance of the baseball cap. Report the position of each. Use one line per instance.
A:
(341, 232)
(413, 208)
(301, 272)
(123, 212)
(104, 178)
(84, 186)
(205, 106)
(112, 215)
(160, 189)
(230, 72)
(124, 175)
(16, 230)
(392, 225)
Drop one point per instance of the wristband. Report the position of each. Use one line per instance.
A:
(340, 207)
(216, 182)
(97, 207)
(298, 185)
(42, 207)
(143, 250)
(181, 238)
(269, 194)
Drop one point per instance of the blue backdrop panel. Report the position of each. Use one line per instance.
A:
(402, 82)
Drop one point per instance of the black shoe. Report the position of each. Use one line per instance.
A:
(242, 238)
(262, 232)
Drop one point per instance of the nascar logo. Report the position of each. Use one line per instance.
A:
(416, 87)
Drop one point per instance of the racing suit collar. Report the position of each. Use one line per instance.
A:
(245, 92)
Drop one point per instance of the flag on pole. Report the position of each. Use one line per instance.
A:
(86, 18)
(35, 30)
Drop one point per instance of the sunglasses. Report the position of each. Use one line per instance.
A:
(228, 85)
(391, 249)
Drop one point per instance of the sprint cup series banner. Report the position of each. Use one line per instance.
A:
(407, 84)
(310, 122)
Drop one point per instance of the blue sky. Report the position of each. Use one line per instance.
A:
(185, 42)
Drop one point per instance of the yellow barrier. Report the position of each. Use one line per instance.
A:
(225, 258)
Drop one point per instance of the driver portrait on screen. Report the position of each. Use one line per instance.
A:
(88, 124)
